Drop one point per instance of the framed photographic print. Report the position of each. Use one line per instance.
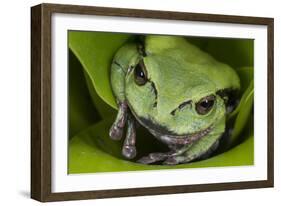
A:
(132, 102)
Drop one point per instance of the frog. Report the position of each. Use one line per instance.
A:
(175, 90)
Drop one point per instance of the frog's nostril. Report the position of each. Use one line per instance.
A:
(181, 106)
(173, 112)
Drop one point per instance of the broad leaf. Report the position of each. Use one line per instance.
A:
(93, 151)
(235, 52)
(95, 51)
(82, 112)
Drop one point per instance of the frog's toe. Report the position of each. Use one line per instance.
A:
(115, 132)
(129, 151)
(152, 158)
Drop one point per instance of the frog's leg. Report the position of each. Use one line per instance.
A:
(198, 149)
(118, 74)
(116, 130)
(195, 151)
(153, 157)
(186, 153)
(156, 157)
(129, 149)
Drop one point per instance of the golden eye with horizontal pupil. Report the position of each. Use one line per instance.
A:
(205, 104)
(140, 73)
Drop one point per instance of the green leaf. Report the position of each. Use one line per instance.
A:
(93, 151)
(235, 52)
(103, 109)
(95, 51)
(246, 75)
(198, 41)
(82, 113)
(243, 112)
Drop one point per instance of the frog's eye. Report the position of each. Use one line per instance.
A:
(205, 104)
(140, 73)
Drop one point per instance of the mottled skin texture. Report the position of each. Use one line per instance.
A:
(178, 77)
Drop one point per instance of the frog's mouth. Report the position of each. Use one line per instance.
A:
(169, 138)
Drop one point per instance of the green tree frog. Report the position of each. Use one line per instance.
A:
(176, 91)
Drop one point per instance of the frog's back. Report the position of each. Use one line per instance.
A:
(178, 49)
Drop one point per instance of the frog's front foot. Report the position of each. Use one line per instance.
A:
(129, 149)
(116, 130)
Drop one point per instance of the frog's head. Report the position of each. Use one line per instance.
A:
(172, 87)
